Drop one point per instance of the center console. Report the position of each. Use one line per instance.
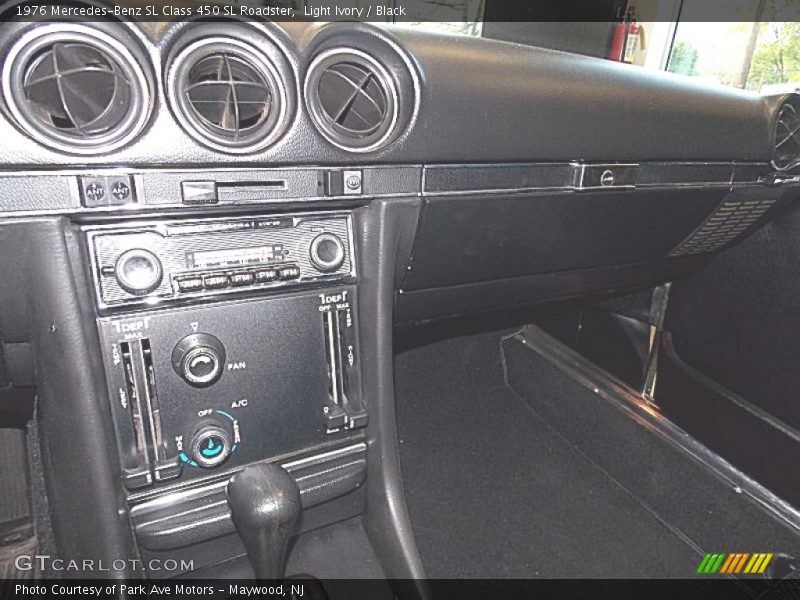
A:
(228, 342)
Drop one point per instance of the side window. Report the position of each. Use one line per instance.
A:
(749, 44)
(759, 50)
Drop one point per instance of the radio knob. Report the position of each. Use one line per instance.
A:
(199, 359)
(210, 445)
(138, 271)
(327, 252)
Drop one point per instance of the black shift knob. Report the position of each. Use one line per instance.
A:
(265, 503)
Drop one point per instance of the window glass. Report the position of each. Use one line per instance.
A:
(757, 47)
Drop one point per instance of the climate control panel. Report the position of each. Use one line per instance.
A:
(199, 390)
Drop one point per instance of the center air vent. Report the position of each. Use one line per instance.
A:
(227, 95)
(787, 138)
(352, 99)
(75, 89)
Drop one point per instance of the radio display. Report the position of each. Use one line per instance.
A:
(234, 257)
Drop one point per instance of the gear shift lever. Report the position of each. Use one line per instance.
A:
(265, 503)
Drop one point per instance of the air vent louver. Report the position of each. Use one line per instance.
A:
(787, 139)
(352, 99)
(76, 89)
(227, 95)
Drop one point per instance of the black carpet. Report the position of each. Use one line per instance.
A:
(494, 490)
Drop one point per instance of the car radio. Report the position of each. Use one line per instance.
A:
(172, 260)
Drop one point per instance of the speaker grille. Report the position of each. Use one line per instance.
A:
(730, 220)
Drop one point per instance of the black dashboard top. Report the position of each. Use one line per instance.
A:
(449, 100)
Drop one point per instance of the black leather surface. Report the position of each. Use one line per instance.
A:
(478, 238)
(384, 231)
(480, 101)
(46, 298)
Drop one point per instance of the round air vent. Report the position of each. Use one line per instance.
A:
(787, 138)
(76, 89)
(352, 99)
(227, 94)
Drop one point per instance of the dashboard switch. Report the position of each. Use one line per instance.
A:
(343, 183)
(138, 271)
(357, 420)
(245, 278)
(289, 272)
(114, 190)
(190, 284)
(210, 446)
(211, 282)
(327, 252)
(199, 192)
(266, 275)
(199, 359)
(335, 417)
(352, 183)
(121, 190)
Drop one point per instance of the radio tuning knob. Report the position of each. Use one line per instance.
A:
(138, 271)
(199, 359)
(327, 252)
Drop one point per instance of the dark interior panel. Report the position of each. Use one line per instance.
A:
(473, 238)
(737, 322)
(502, 294)
(218, 348)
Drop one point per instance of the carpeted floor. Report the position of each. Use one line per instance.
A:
(547, 480)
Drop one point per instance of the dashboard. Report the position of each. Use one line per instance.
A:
(442, 99)
(219, 224)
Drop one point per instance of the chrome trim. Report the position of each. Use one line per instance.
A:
(207, 173)
(318, 261)
(581, 169)
(32, 41)
(194, 128)
(388, 81)
(209, 488)
(317, 459)
(796, 161)
(658, 310)
(573, 179)
(142, 208)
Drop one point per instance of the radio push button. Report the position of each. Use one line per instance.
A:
(289, 272)
(190, 284)
(212, 282)
(266, 275)
(239, 279)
